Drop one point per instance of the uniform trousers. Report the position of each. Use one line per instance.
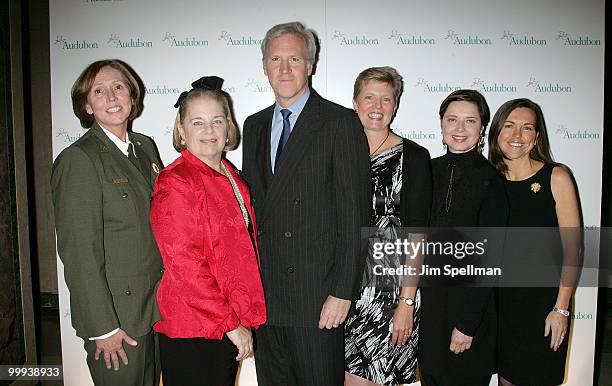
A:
(143, 366)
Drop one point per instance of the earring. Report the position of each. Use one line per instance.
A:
(481, 143)
(227, 140)
(444, 145)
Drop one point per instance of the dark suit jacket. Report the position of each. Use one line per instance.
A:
(310, 210)
(104, 238)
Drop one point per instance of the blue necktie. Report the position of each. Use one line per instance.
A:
(284, 135)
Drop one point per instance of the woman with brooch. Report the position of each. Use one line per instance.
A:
(458, 321)
(382, 332)
(533, 322)
(210, 295)
(102, 185)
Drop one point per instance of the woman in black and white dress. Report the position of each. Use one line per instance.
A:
(381, 334)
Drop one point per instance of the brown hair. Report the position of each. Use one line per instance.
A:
(541, 150)
(219, 96)
(467, 95)
(82, 86)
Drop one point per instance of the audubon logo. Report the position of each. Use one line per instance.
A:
(468, 40)
(161, 90)
(437, 87)
(115, 40)
(172, 41)
(65, 44)
(522, 40)
(417, 135)
(569, 40)
(580, 316)
(240, 40)
(575, 134)
(411, 40)
(66, 136)
(548, 87)
(414, 134)
(355, 40)
(255, 86)
(483, 86)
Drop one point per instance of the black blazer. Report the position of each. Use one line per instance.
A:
(310, 211)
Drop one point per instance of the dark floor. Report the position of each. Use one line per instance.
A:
(51, 354)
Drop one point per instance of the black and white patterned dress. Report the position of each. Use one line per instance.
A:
(369, 352)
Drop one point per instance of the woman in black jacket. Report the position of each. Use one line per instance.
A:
(458, 320)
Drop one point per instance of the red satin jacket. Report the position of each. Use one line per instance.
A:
(211, 283)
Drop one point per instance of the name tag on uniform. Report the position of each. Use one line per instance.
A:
(120, 181)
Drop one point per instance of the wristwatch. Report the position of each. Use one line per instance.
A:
(407, 300)
(561, 311)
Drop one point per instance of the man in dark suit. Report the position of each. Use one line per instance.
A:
(306, 160)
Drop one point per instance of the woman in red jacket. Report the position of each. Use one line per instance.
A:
(210, 295)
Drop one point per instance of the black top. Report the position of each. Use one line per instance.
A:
(467, 192)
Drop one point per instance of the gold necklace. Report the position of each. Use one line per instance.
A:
(245, 214)
(379, 146)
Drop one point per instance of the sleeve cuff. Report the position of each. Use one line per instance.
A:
(107, 335)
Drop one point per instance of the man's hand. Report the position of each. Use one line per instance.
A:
(460, 342)
(334, 312)
(113, 346)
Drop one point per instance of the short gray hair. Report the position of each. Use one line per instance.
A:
(296, 28)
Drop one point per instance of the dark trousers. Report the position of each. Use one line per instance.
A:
(198, 361)
(143, 366)
(299, 356)
(446, 380)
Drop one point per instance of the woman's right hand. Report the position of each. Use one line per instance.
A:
(242, 338)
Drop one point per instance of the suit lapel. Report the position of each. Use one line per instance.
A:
(117, 157)
(146, 164)
(301, 136)
(262, 158)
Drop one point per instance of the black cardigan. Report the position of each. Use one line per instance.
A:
(416, 193)
(477, 199)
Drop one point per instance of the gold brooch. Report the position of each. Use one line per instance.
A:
(155, 167)
(535, 187)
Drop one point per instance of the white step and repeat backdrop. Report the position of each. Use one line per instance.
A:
(549, 50)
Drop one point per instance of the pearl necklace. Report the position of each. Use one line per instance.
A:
(245, 214)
